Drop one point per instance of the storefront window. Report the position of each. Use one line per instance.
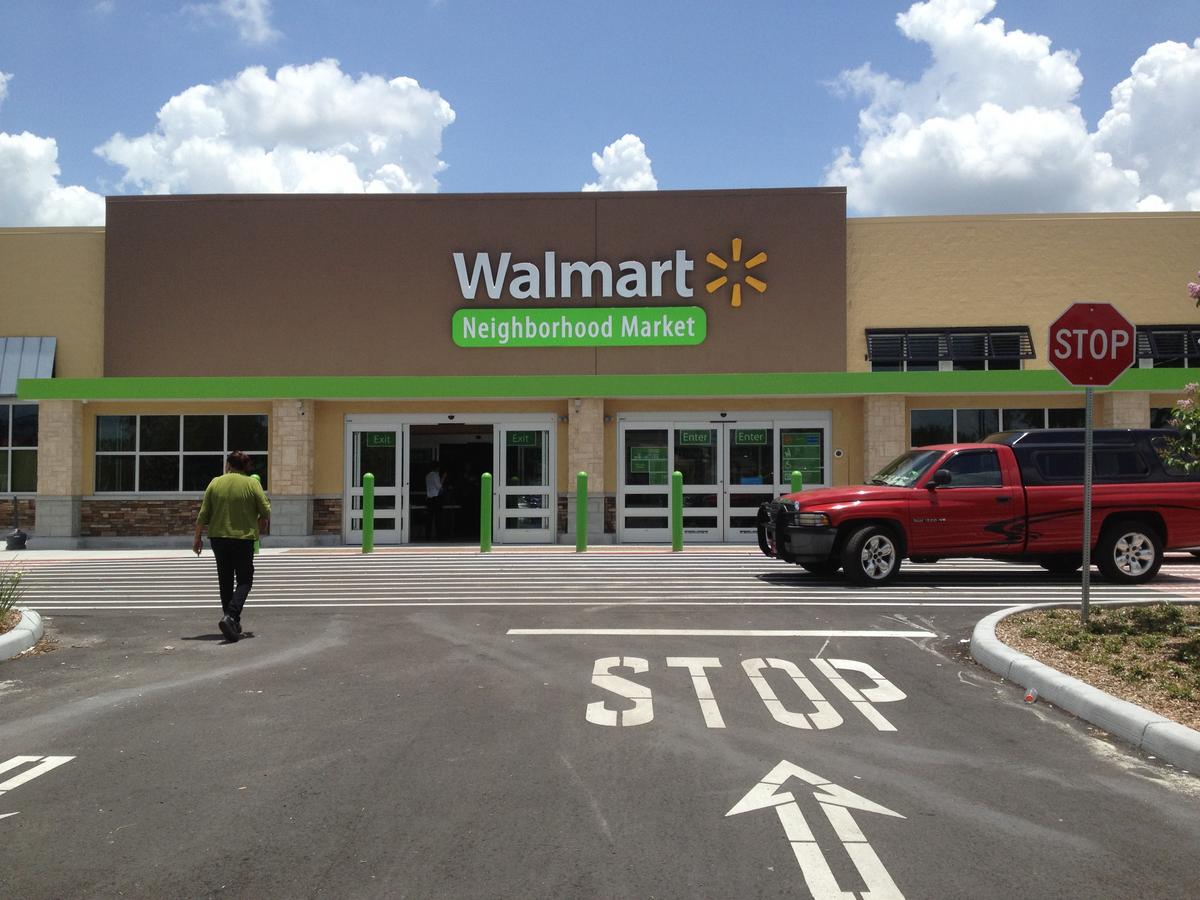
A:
(646, 457)
(932, 426)
(973, 425)
(168, 454)
(18, 447)
(696, 455)
(966, 426)
(1067, 418)
(802, 450)
(751, 456)
(1022, 419)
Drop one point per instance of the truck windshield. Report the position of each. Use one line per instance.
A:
(906, 470)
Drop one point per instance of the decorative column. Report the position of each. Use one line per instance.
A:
(885, 431)
(585, 453)
(1124, 409)
(291, 467)
(60, 468)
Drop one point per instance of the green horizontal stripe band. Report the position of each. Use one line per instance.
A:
(784, 384)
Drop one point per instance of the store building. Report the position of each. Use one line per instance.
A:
(734, 336)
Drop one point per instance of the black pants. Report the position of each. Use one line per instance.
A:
(235, 560)
(433, 524)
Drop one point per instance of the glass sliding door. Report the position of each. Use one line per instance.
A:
(729, 469)
(379, 450)
(644, 508)
(525, 501)
(751, 477)
(697, 456)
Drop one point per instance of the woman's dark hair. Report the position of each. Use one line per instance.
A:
(239, 461)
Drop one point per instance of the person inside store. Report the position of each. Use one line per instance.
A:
(435, 496)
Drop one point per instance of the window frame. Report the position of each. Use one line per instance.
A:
(180, 454)
(944, 349)
(1149, 354)
(7, 448)
(999, 410)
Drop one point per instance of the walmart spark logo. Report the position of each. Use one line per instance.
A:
(717, 283)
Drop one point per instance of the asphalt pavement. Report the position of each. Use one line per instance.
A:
(623, 723)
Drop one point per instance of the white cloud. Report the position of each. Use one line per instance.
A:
(310, 129)
(252, 17)
(1154, 123)
(623, 166)
(992, 125)
(30, 194)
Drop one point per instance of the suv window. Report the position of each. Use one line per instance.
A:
(1067, 465)
(974, 468)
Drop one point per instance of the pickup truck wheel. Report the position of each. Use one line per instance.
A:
(870, 556)
(1061, 565)
(824, 567)
(1129, 553)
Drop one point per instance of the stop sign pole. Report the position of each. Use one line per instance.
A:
(1090, 344)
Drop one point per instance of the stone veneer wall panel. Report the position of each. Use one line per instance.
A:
(327, 515)
(885, 431)
(138, 518)
(26, 509)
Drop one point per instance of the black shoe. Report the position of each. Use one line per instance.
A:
(237, 623)
(229, 629)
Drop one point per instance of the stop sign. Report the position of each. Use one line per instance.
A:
(1091, 344)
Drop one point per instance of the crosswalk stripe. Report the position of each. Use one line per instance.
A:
(550, 578)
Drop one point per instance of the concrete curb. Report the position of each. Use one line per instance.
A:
(27, 633)
(1145, 730)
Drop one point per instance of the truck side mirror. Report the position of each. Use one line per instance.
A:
(941, 478)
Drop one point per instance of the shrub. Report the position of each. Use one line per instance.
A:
(10, 589)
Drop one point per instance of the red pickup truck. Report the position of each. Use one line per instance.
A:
(1015, 496)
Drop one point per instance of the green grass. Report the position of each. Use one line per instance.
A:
(10, 589)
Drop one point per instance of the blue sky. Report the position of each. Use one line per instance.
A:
(933, 107)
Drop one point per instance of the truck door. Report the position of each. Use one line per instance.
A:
(979, 511)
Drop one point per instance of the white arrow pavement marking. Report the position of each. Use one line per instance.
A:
(47, 763)
(6, 815)
(836, 802)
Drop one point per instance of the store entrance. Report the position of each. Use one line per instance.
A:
(447, 459)
(729, 469)
(414, 456)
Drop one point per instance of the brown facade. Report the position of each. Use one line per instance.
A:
(367, 285)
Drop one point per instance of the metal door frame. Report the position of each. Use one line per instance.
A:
(775, 420)
(403, 422)
(359, 424)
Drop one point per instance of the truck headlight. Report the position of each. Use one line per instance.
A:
(812, 520)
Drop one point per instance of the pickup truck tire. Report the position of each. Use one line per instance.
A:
(824, 567)
(1129, 552)
(1062, 564)
(870, 556)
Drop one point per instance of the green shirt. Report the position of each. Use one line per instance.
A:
(233, 504)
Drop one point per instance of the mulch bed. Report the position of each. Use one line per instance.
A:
(1148, 655)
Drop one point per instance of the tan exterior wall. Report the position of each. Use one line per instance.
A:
(1014, 270)
(52, 285)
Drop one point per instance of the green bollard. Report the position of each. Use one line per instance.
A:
(581, 512)
(676, 512)
(797, 481)
(368, 543)
(257, 542)
(485, 513)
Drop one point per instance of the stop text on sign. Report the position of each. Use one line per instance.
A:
(1082, 343)
(815, 711)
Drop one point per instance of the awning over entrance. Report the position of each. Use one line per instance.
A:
(24, 357)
